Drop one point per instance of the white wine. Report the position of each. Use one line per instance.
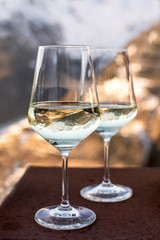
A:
(114, 116)
(63, 124)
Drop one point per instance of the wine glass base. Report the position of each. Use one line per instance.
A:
(55, 218)
(106, 193)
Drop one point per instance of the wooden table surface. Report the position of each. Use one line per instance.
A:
(137, 218)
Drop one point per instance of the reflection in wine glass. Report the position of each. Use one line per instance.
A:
(118, 107)
(64, 110)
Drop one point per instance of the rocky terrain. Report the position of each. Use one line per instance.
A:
(145, 59)
(17, 62)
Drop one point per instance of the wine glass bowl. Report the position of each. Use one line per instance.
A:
(64, 110)
(118, 107)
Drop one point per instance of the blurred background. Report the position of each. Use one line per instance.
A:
(26, 24)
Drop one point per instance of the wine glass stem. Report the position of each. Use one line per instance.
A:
(106, 177)
(65, 198)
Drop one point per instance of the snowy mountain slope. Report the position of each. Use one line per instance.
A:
(94, 22)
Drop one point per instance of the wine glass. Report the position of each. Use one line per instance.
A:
(64, 110)
(118, 107)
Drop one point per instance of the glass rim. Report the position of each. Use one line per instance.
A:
(63, 46)
(109, 49)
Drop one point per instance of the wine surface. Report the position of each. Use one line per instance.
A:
(63, 124)
(114, 116)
